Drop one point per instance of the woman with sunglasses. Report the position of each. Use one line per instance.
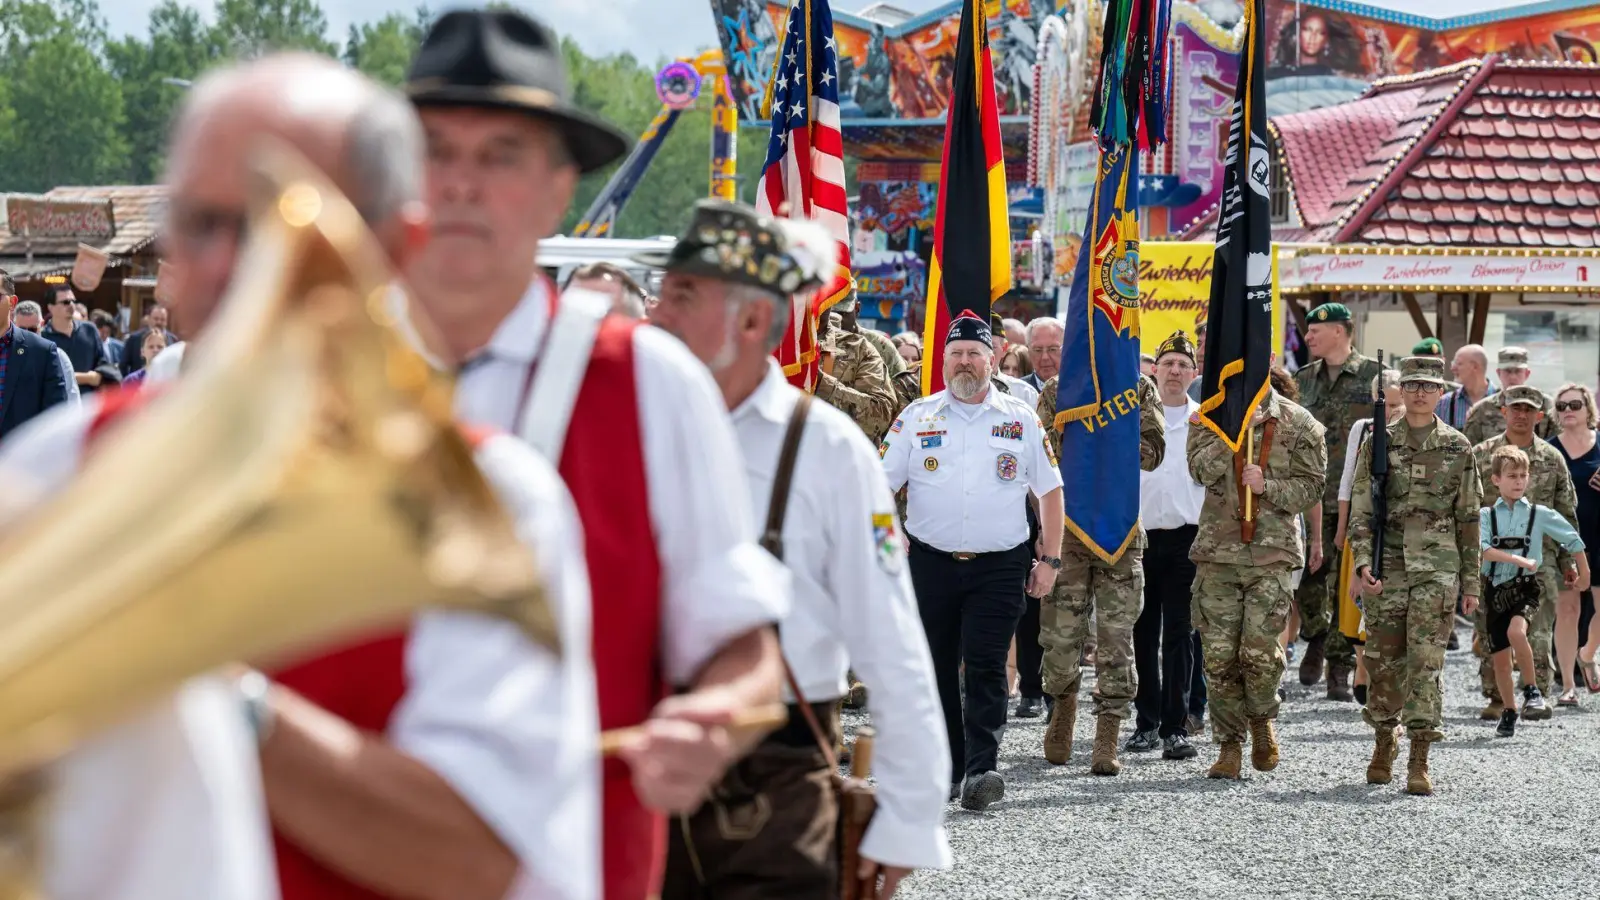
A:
(1576, 439)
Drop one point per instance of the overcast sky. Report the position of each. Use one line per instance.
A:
(648, 28)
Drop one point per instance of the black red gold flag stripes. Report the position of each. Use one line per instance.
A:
(1239, 333)
(971, 265)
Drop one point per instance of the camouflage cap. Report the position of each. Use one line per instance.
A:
(1513, 358)
(1523, 395)
(1328, 312)
(1178, 342)
(1429, 369)
(1428, 346)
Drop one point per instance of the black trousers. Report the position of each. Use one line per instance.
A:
(1163, 644)
(1030, 655)
(969, 612)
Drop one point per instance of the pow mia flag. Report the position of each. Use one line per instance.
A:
(1239, 334)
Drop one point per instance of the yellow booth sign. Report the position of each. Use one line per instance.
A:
(1175, 291)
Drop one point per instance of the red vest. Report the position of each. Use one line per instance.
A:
(603, 465)
(362, 683)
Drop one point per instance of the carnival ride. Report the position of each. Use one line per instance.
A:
(679, 86)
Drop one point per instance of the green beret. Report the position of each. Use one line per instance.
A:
(1427, 347)
(1329, 312)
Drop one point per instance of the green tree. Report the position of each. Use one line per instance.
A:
(64, 107)
(249, 28)
(383, 49)
(180, 46)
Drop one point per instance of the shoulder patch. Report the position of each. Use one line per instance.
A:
(1194, 418)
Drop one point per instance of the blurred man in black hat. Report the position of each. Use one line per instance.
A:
(683, 598)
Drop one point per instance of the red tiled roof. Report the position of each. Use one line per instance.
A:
(1325, 150)
(1489, 152)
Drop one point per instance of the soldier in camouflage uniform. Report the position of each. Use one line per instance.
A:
(1337, 390)
(1114, 593)
(858, 384)
(1485, 420)
(1242, 590)
(1549, 484)
(907, 386)
(1430, 547)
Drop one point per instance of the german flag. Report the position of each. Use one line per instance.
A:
(971, 266)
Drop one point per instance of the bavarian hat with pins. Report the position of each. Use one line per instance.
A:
(734, 243)
(504, 59)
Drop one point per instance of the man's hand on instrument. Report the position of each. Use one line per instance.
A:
(886, 877)
(681, 750)
(1469, 604)
(1369, 585)
(1254, 479)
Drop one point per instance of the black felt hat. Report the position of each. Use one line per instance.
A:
(503, 59)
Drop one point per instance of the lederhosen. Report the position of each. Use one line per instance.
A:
(1517, 597)
(769, 827)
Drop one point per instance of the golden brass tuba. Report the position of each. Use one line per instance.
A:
(303, 483)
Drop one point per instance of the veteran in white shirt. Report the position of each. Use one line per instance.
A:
(970, 455)
(831, 519)
(1164, 646)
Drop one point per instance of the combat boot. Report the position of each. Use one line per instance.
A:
(1417, 781)
(1058, 734)
(1229, 761)
(1263, 745)
(1104, 760)
(1311, 665)
(1491, 713)
(1339, 683)
(1384, 748)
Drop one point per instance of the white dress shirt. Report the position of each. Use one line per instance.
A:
(854, 608)
(510, 725)
(74, 393)
(970, 467)
(1020, 389)
(717, 583)
(1169, 497)
(166, 805)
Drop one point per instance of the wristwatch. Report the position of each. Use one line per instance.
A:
(255, 700)
(1053, 562)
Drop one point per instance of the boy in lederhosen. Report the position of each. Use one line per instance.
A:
(1511, 534)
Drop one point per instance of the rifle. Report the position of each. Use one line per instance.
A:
(1378, 443)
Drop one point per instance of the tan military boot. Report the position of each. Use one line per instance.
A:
(1491, 712)
(1229, 761)
(1104, 760)
(1384, 748)
(1058, 734)
(1417, 781)
(1263, 745)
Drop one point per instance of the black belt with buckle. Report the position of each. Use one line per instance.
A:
(957, 555)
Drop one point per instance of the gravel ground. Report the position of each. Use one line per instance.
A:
(1311, 829)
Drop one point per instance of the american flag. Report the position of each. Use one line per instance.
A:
(803, 176)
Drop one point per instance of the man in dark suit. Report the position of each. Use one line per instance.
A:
(31, 375)
(133, 345)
